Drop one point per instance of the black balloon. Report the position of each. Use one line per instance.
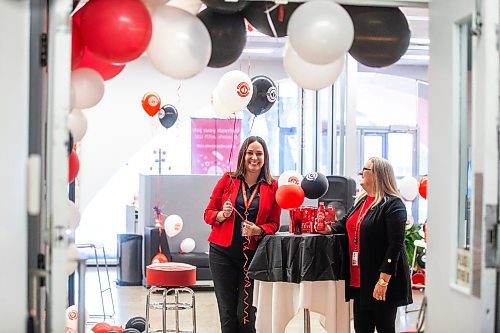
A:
(228, 34)
(224, 7)
(381, 35)
(168, 115)
(264, 95)
(139, 323)
(314, 185)
(255, 13)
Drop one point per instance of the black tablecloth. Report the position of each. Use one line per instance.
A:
(295, 258)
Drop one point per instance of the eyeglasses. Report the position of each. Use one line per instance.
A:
(363, 170)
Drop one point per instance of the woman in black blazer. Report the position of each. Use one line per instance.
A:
(379, 276)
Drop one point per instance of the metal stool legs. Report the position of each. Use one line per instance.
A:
(165, 306)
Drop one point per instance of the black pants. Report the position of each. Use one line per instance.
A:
(382, 317)
(228, 277)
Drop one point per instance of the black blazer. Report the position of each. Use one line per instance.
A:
(381, 250)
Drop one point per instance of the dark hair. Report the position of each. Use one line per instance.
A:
(241, 168)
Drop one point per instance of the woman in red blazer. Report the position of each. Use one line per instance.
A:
(242, 209)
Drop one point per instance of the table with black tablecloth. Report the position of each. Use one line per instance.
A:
(294, 272)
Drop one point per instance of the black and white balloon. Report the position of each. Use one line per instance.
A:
(225, 7)
(257, 14)
(314, 185)
(168, 115)
(381, 35)
(264, 95)
(228, 33)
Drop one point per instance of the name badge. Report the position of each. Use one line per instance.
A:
(355, 258)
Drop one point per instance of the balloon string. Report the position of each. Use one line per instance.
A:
(232, 144)
(270, 21)
(253, 122)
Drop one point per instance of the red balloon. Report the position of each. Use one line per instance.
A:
(117, 329)
(74, 166)
(76, 46)
(158, 258)
(106, 69)
(151, 103)
(422, 187)
(289, 196)
(117, 31)
(101, 328)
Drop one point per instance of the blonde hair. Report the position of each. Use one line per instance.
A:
(384, 181)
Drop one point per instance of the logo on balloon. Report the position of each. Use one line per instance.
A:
(243, 89)
(312, 176)
(177, 227)
(153, 101)
(161, 114)
(73, 315)
(294, 180)
(271, 94)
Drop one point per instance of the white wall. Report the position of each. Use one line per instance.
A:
(14, 80)
(118, 130)
(450, 309)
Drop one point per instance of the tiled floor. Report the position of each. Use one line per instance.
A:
(130, 302)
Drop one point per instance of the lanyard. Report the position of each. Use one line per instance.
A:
(361, 216)
(247, 202)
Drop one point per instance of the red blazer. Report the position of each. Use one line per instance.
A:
(268, 215)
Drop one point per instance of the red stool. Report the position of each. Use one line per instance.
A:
(170, 278)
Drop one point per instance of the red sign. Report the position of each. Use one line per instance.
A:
(212, 141)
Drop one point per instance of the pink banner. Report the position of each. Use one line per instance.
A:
(211, 143)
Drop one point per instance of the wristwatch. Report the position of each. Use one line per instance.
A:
(382, 282)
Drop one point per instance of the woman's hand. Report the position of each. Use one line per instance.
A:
(327, 230)
(227, 209)
(250, 229)
(379, 292)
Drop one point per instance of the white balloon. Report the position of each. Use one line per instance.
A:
(77, 124)
(235, 90)
(180, 46)
(320, 31)
(187, 245)
(154, 3)
(408, 187)
(191, 6)
(311, 76)
(219, 107)
(73, 216)
(73, 257)
(72, 316)
(173, 225)
(88, 86)
(290, 177)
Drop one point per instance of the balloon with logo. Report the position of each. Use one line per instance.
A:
(315, 185)
(235, 90)
(408, 187)
(168, 115)
(151, 103)
(173, 225)
(72, 315)
(264, 95)
(290, 177)
(187, 245)
(289, 196)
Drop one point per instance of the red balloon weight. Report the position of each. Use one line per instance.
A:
(117, 329)
(151, 103)
(106, 69)
(101, 328)
(422, 187)
(76, 46)
(289, 196)
(74, 166)
(158, 258)
(117, 31)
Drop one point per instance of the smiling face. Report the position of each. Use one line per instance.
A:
(254, 157)
(367, 179)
